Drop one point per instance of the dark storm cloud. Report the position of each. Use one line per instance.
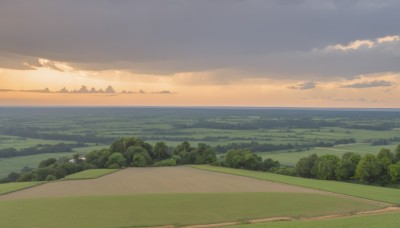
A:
(255, 37)
(376, 83)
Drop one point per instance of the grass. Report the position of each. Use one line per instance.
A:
(7, 141)
(163, 209)
(12, 187)
(388, 195)
(90, 174)
(387, 220)
(291, 158)
(15, 164)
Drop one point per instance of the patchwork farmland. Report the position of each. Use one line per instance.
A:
(178, 196)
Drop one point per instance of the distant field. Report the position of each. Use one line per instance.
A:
(11, 187)
(15, 164)
(98, 127)
(8, 165)
(388, 195)
(167, 209)
(87, 149)
(291, 158)
(7, 141)
(90, 174)
(387, 220)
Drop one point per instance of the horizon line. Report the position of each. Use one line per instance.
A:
(198, 107)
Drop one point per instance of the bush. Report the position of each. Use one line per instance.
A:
(167, 162)
(289, 171)
(50, 178)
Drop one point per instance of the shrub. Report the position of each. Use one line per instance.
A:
(167, 162)
(50, 178)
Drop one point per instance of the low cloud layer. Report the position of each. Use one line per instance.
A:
(305, 39)
(84, 90)
(372, 84)
(303, 86)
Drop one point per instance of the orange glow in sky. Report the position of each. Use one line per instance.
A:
(189, 89)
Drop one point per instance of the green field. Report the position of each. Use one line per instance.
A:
(8, 165)
(90, 174)
(15, 164)
(11, 187)
(388, 195)
(26, 127)
(291, 158)
(387, 220)
(163, 209)
(7, 141)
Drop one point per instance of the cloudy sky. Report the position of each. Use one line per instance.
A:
(303, 53)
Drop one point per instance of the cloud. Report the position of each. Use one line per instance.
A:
(6, 90)
(343, 99)
(163, 92)
(85, 90)
(305, 39)
(371, 84)
(303, 86)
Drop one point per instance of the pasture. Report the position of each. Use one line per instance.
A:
(388, 195)
(156, 180)
(15, 164)
(175, 196)
(142, 210)
(12, 187)
(387, 220)
(90, 174)
(291, 158)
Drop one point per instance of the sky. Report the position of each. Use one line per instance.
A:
(258, 53)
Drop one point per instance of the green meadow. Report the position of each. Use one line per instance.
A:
(387, 220)
(90, 174)
(291, 158)
(170, 209)
(12, 187)
(388, 195)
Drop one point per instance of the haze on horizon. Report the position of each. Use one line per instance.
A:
(277, 53)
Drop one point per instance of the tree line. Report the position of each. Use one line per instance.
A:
(382, 169)
(34, 133)
(39, 149)
(124, 152)
(268, 147)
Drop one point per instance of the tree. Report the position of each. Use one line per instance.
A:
(326, 167)
(161, 151)
(138, 160)
(397, 154)
(98, 158)
(243, 159)
(386, 158)
(368, 169)
(116, 160)
(13, 176)
(48, 162)
(307, 166)
(394, 172)
(346, 168)
(269, 164)
(205, 154)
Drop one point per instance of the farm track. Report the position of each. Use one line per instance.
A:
(278, 219)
